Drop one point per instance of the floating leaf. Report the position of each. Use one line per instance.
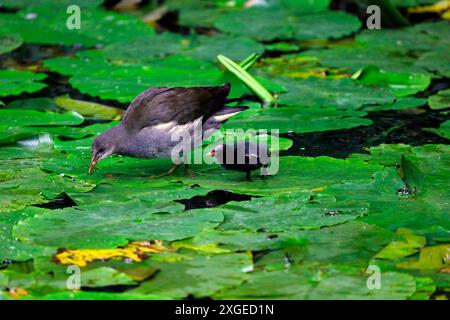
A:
(407, 244)
(441, 100)
(297, 119)
(9, 43)
(86, 108)
(96, 227)
(266, 24)
(98, 77)
(44, 25)
(401, 84)
(15, 82)
(199, 275)
(343, 93)
(26, 118)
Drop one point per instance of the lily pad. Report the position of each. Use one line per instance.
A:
(9, 43)
(10, 247)
(15, 82)
(401, 84)
(443, 130)
(27, 118)
(439, 101)
(234, 47)
(297, 119)
(97, 77)
(294, 211)
(343, 93)
(266, 24)
(295, 174)
(47, 25)
(399, 104)
(131, 221)
(199, 276)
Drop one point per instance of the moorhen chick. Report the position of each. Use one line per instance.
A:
(242, 156)
(153, 117)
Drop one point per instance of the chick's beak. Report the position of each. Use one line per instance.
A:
(93, 163)
(212, 153)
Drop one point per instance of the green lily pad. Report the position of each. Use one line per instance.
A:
(15, 82)
(394, 286)
(352, 244)
(199, 276)
(42, 104)
(143, 49)
(401, 84)
(234, 47)
(134, 220)
(419, 209)
(35, 3)
(295, 174)
(233, 240)
(97, 77)
(344, 93)
(282, 47)
(427, 36)
(9, 43)
(354, 58)
(293, 211)
(13, 249)
(411, 3)
(27, 118)
(297, 119)
(443, 130)
(23, 184)
(399, 104)
(266, 24)
(45, 25)
(441, 100)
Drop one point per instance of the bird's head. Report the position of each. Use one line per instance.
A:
(217, 152)
(104, 146)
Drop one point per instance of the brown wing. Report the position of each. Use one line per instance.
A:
(181, 105)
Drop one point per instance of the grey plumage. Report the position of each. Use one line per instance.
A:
(157, 115)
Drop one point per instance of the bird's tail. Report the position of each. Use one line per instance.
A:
(214, 122)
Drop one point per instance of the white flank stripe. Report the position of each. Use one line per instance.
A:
(225, 116)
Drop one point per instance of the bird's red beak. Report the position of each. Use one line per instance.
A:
(93, 163)
(212, 153)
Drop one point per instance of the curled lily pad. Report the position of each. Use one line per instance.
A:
(86, 108)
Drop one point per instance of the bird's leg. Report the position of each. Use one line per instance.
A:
(263, 172)
(188, 170)
(168, 173)
(247, 175)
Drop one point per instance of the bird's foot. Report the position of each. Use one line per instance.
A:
(165, 174)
